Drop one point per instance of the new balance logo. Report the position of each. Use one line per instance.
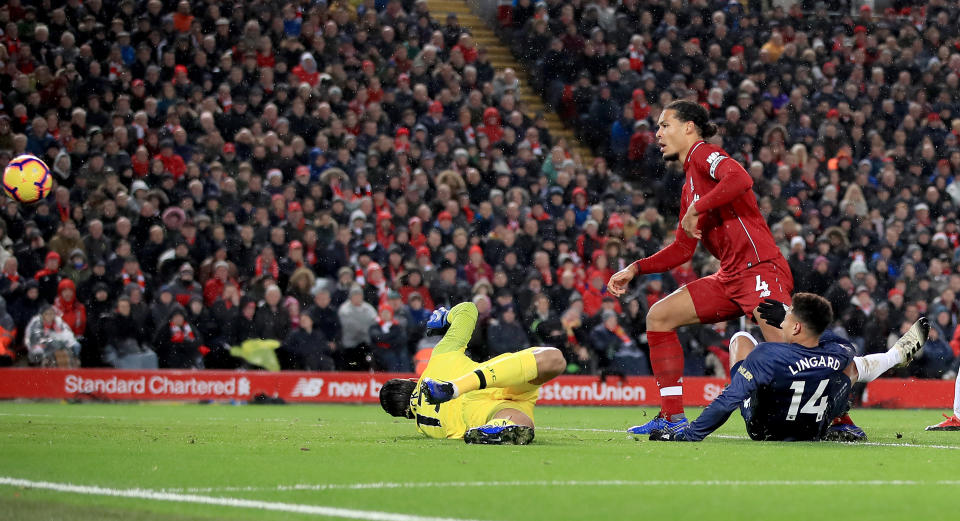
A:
(308, 387)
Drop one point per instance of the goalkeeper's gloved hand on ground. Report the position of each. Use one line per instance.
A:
(772, 311)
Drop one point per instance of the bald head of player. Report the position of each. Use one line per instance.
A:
(806, 319)
(395, 397)
(682, 123)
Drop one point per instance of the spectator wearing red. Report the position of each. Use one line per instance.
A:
(182, 19)
(590, 241)
(477, 269)
(641, 110)
(307, 71)
(401, 142)
(599, 263)
(592, 293)
(73, 313)
(491, 126)
(413, 284)
(172, 163)
(417, 238)
(214, 286)
(467, 48)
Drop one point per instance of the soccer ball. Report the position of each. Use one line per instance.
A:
(27, 179)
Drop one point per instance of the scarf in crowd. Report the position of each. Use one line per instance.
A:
(274, 268)
(64, 212)
(385, 326)
(622, 335)
(12, 277)
(337, 191)
(127, 279)
(636, 57)
(547, 277)
(418, 240)
(181, 334)
(51, 328)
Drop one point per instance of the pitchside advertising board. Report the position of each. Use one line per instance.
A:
(108, 384)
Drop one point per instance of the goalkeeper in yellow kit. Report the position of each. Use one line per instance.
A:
(489, 403)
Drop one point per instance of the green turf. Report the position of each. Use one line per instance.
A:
(259, 448)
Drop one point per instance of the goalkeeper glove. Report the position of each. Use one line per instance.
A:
(772, 311)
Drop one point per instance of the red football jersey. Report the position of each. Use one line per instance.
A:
(733, 228)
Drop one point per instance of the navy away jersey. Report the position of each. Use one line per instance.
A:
(785, 391)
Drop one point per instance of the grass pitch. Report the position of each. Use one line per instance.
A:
(196, 462)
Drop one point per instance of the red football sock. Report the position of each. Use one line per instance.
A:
(666, 357)
(843, 420)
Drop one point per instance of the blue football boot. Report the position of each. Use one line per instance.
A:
(846, 432)
(657, 424)
(499, 432)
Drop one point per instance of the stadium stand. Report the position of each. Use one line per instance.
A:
(324, 174)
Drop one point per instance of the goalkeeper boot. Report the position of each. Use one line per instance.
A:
(843, 429)
(437, 391)
(499, 432)
(911, 343)
(952, 423)
(657, 424)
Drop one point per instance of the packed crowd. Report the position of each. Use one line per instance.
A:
(324, 176)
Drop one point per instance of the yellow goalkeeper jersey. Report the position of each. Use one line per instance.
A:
(447, 362)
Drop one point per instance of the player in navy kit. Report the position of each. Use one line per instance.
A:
(792, 389)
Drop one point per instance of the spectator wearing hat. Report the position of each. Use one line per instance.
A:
(49, 276)
(176, 343)
(76, 268)
(184, 287)
(389, 342)
(477, 268)
(214, 286)
(375, 285)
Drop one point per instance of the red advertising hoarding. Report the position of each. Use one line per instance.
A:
(337, 387)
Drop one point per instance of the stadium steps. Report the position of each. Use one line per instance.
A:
(501, 58)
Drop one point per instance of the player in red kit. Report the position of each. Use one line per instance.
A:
(719, 209)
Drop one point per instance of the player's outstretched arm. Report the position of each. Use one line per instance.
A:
(678, 252)
(742, 385)
(462, 319)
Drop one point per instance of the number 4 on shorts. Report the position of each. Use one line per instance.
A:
(763, 288)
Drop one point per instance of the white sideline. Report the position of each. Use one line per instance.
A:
(569, 483)
(729, 437)
(156, 495)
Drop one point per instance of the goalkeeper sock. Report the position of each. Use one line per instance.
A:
(666, 357)
(515, 369)
(870, 367)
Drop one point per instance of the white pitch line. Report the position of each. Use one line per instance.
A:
(567, 483)
(138, 493)
(731, 437)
